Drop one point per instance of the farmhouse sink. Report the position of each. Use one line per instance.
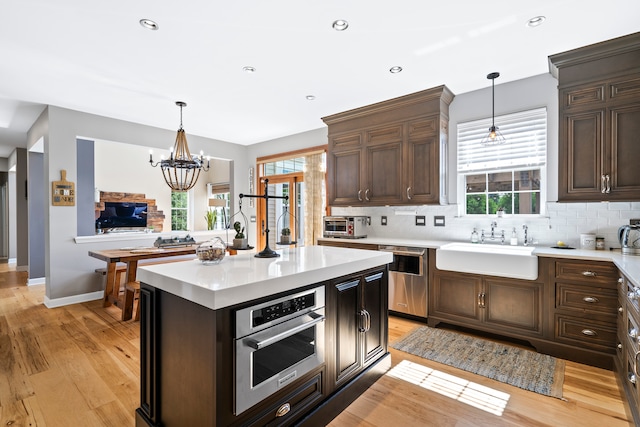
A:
(517, 262)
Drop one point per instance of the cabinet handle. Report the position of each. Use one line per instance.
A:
(589, 332)
(632, 378)
(480, 300)
(608, 184)
(589, 273)
(621, 280)
(603, 188)
(366, 195)
(632, 295)
(620, 310)
(359, 195)
(366, 320)
(633, 332)
(409, 193)
(619, 346)
(283, 410)
(590, 300)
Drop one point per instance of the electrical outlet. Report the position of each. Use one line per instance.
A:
(421, 220)
(383, 220)
(438, 221)
(634, 221)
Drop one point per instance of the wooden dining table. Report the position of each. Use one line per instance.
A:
(131, 257)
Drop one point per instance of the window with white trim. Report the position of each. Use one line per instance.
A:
(508, 177)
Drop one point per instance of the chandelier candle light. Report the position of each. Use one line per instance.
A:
(182, 170)
(494, 137)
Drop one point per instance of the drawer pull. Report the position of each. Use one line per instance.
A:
(283, 410)
(620, 310)
(621, 280)
(633, 333)
(590, 300)
(619, 346)
(589, 273)
(589, 332)
(632, 378)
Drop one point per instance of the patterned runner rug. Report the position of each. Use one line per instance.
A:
(519, 367)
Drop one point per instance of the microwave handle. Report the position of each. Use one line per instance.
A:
(257, 345)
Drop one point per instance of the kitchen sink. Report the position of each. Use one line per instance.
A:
(517, 262)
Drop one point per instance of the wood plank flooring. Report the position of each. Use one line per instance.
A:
(79, 366)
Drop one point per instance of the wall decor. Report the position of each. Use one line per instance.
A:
(63, 192)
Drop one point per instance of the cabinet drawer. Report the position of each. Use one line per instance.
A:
(588, 95)
(598, 335)
(586, 299)
(587, 272)
(289, 408)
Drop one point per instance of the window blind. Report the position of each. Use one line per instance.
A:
(526, 146)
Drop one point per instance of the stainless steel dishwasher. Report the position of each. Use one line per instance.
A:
(408, 280)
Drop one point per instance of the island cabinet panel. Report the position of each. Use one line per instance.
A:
(394, 151)
(599, 97)
(358, 337)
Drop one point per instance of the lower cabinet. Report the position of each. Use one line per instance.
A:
(628, 343)
(358, 336)
(489, 303)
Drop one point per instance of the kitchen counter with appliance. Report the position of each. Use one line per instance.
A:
(261, 341)
(629, 265)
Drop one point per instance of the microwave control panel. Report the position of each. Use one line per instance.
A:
(282, 309)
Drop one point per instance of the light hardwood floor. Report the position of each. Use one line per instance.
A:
(78, 366)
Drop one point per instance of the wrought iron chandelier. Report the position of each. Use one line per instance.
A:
(494, 137)
(181, 170)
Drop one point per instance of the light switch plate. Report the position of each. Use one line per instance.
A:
(420, 220)
(438, 221)
(383, 220)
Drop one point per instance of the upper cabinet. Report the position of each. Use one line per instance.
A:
(390, 153)
(599, 95)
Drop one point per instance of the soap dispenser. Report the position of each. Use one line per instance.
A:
(474, 236)
(514, 237)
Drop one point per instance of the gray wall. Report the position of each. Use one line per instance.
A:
(37, 199)
(69, 270)
(22, 211)
(85, 188)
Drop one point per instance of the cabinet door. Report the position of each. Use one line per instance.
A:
(383, 183)
(347, 339)
(422, 169)
(375, 304)
(514, 304)
(581, 156)
(456, 297)
(625, 152)
(344, 183)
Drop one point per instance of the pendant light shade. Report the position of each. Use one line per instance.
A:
(494, 137)
(182, 170)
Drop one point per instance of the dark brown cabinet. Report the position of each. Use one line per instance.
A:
(390, 153)
(599, 96)
(358, 336)
(494, 304)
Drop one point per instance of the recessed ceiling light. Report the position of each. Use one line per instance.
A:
(248, 69)
(149, 24)
(536, 21)
(395, 70)
(340, 25)
(311, 97)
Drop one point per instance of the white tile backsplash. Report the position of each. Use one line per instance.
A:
(565, 221)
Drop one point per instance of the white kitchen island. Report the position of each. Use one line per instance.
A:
(189, 343)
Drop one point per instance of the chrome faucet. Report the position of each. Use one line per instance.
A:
(526, 239)
(493, 227)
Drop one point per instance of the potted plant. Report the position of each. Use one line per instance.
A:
(211, 218)
(285, 236)
(240, 241)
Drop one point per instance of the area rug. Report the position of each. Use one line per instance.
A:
(519, 367)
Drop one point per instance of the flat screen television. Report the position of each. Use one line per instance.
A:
(123, 215)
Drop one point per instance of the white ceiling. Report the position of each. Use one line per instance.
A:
(95, 57)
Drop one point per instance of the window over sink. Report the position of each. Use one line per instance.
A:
(508, 177)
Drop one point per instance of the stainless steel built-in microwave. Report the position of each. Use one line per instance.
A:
(352, 227)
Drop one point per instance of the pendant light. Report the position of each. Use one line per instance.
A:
(494, 137)
(182, 170)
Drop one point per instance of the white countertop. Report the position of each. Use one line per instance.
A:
(629, 265)
(243, 277)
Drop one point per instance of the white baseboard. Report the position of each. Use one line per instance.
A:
(13, 260)
(75, 299)
(36, 281)
(22, 268)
